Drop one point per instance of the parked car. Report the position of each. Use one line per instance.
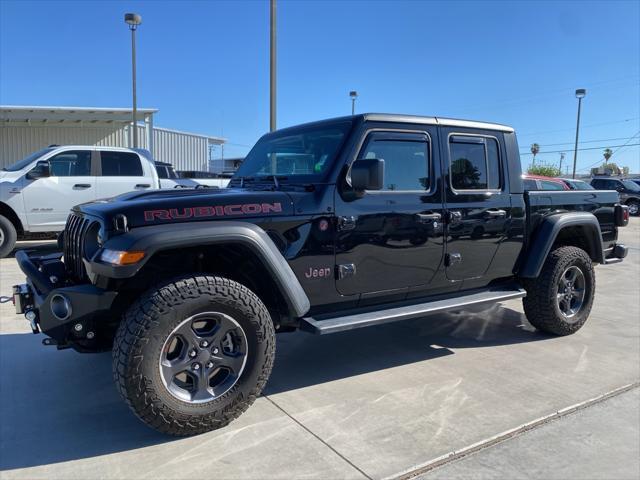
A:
(329, 226)
(539, 182)
(575, 184)
(38, 192)
(629, 191)
(205, 178)
(635, 180)
(169, 178)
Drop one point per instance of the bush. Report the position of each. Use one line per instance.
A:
(544, 170)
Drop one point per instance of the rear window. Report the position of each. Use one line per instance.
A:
(530, 185)
(475, 163)
(549, 185)
(120, 164)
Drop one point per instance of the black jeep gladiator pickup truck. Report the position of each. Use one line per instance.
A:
(328, 226)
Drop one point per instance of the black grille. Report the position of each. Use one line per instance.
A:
(74, 233)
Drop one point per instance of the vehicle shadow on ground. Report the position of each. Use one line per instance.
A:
(61, 406)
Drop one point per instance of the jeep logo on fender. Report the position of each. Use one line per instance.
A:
(216, 211)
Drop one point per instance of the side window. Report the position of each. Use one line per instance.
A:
(548, 185)
(162, 171)
(71, 164)
(530, 185)
(406, 159)
(475, 163)
(120, 164)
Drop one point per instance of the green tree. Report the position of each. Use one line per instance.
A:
(535, 148)
(607, 154)
(544, 170)
(611, 166)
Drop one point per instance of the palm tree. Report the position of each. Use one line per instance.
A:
(607, 154)
(535, 148)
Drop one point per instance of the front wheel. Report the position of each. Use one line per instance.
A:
(634, 208)
(8, 236)
(560, 299)
(193, 354)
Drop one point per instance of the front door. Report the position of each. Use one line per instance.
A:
(392, 239)
(478, 204)
(71, 182)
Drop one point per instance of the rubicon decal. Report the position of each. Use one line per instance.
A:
(212, 211)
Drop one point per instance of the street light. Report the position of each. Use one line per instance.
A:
(580, 94)
(133, 20)
(353, 94)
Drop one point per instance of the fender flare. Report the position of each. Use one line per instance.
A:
(545, 236)
(156, 238)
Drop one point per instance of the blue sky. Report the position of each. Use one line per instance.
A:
(204, 64)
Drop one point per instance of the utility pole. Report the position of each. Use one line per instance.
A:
(580, 93)
(272, 66)
(133, 20)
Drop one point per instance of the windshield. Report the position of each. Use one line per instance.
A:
(27, 160)
(629, 185)
(300, 154)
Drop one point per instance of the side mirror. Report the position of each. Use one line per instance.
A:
(367, 174)
(41, 170)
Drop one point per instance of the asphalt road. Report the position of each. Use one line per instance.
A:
(382, 402)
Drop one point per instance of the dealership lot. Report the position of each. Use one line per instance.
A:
(379, 402)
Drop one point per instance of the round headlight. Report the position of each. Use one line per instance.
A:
(92, 240)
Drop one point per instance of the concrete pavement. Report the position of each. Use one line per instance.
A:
(378, 402)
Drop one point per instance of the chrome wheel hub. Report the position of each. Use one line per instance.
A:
(571, 292)
(203, 357)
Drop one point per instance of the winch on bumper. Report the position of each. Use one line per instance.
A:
(68, 313)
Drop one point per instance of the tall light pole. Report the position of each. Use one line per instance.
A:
(353, 94)
(133, 20)
(272, 67)
(580, 93)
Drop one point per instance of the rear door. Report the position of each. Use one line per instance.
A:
(477, 201)
(71, 182)
(120, 172)
(391, 240)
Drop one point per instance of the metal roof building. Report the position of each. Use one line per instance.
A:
(25, 129)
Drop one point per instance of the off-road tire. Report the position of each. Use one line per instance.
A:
(540, 304)
(8, 236)
(147, 324)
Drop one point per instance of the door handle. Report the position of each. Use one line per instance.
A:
(143, 185)
(495, 214)
(82, 185)
(428, 217)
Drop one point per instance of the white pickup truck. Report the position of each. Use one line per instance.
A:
(37, 192)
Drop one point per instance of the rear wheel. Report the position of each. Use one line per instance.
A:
(193, 354)
(560, 299)
(8, 236)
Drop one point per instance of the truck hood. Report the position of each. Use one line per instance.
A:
(188, 205)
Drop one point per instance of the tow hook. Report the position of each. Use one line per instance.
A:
(32, 318)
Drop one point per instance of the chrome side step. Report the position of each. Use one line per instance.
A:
(324, 325)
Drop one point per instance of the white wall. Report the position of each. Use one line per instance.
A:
(185, 151)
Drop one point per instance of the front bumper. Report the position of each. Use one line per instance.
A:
(71, 314)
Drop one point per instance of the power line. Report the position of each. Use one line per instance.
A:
(520, 135)
(581, 149)
(585, 141)
(626, 144)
